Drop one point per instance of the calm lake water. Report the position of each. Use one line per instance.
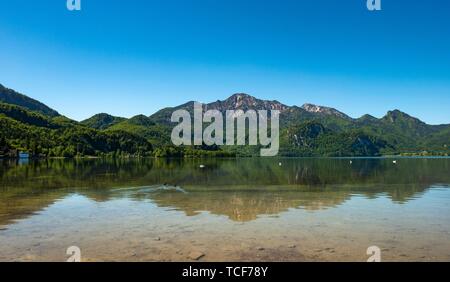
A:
(230, 210)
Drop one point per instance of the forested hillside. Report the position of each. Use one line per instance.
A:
(29, 126)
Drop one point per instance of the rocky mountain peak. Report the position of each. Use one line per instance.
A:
(311, 108)
(242, 101)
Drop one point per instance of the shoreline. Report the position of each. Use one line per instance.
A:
(225, 158)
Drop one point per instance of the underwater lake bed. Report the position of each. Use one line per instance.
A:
(252, 209)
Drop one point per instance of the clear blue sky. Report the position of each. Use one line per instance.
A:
(135, 56)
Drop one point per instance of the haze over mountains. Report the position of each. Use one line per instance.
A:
(307, 130)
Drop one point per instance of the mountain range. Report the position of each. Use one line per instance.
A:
(308, 131)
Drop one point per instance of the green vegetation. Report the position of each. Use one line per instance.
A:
(309, 131)
(102, 121)
(41, 136)
(157, 134)
(313, 139)
(10, 96)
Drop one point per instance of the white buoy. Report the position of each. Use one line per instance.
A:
(202, 166)
(351, 162)
(280, 164)
(394, 162)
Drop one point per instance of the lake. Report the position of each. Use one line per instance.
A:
(259, 209)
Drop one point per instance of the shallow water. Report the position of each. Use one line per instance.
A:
(231, 210)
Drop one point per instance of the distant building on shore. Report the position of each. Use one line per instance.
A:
(24, 155)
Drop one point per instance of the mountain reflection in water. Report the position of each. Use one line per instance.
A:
(240, 189)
